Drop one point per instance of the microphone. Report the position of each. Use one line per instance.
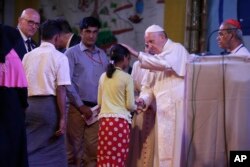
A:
(207, 52)
(209, 38)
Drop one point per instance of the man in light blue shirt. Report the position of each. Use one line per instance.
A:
(87, 62)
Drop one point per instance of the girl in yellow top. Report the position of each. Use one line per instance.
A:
(116, 99)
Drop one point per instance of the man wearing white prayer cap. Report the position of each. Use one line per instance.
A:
(164, 81)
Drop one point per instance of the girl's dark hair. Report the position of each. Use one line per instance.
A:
(117, 54)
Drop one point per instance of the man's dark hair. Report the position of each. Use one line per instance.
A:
(49, 29)
(64, 24)
(89, 22)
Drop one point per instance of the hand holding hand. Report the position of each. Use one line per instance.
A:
(140, 105)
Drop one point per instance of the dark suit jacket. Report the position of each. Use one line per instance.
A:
(76, 39)
(20, 48)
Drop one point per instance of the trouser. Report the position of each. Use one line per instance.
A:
(81, 140)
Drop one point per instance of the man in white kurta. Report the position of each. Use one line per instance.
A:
(165, 83)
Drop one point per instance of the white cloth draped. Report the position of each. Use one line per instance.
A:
(217, 110)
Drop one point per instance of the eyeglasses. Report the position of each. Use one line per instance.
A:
(224, 32)
(32, 23)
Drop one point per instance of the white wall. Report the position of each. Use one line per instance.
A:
(152, 14)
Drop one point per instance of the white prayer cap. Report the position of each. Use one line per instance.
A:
(154, 28)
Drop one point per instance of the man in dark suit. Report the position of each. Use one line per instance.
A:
(67, 37)
(28, 24)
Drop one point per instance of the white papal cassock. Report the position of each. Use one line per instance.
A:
(165, 82)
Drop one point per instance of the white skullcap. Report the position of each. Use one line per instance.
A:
(154, 28)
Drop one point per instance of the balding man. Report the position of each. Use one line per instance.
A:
(230, 38)
(28, 24)
(164, 81)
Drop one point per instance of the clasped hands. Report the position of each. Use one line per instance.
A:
(140, 105)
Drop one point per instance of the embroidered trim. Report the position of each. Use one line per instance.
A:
(105, 115)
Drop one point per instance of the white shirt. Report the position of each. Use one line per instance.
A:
(240, 50)
(24, 39)
(45, 69)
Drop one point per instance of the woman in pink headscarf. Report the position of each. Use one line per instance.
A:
(13, 99)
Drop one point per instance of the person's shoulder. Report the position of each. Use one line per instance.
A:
(72, 49)
(59, 53)
(136, 64)
(176, 43)
(59, 57)
(243, 51)
(103, 75)
(179, 46)
(75, 47)
(30, 56)
(125, 75)
(129, 78)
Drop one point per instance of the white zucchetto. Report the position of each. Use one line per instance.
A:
(154, 28)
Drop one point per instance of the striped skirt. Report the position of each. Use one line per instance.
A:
(45, 149)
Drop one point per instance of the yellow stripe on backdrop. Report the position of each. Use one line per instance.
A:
(174, 19)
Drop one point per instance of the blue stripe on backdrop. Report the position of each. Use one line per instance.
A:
(220, 8)
(243, 7)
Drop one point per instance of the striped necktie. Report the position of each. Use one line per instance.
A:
(28, 42)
